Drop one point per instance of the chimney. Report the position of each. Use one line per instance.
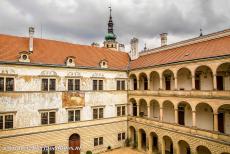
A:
(31, 35)
(163, 39)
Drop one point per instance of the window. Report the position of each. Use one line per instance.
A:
(48, 150)
(6, 84)
(98, 141)
(121, 136)
(48, 84)
(48, 118)
(98, 113)
(121, 110)
(74, 115)
(120, 84)
(73, 84)
(97, 84)
(6, 121)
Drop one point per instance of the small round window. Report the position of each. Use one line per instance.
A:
(70, 60)
(24, 57)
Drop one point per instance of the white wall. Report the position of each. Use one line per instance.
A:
(154, 111)
(188, 115)
(168, 112)
(227, 122)
(184, 80)
(204, 117)
(155, 83)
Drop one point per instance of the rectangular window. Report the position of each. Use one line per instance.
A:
(52, 117)
(52, 85)
(70, 85)
(1, 122)
(70, 116)
(94, 84)
(98, 141)
(73, 84)
(48, 150)
(6, 84)
(100, 84)
(121, 110)
(74, 115)
(95, 141)
(97, 84)
(44, 84)
(9, 121)
(120, 84)
(48, 118)
(48, 84)
(1, 84)
(98, 113)
(121, 136)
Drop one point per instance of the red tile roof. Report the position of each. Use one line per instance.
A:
(55, 52)
(204, 49)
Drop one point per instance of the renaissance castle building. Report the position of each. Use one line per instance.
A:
(170, 99)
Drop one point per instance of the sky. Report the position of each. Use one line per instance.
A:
(85, 21)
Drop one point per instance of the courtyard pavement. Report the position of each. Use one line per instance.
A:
(123, 151)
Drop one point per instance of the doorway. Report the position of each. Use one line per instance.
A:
(181, 120)
(221, 122)
(220, 82)
(74, 144)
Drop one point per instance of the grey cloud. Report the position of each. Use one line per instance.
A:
(85, 21)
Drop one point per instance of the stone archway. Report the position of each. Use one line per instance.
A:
(203, 78)
(74, 144)
(224, 118)
(203, 150)
(184, 79)
(223, 77)
(184, 147)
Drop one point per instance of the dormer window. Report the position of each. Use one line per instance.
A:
(70, 61)
(103, 64)
(24, 56)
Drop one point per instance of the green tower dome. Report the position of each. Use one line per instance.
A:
(110, 36)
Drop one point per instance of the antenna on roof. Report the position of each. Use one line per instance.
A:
(201, 32)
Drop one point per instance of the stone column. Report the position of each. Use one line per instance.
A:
(215, 122)
(138, 84)
(161, 114)
(176, 116)
(138, 110)
(149, 80)
(149, 116)
(214, 82)
(193, 118)
(193, 83)
(161, 84)
(139, 140)
(150, 144)
(128, 111)
(163, 146)
(176, 86)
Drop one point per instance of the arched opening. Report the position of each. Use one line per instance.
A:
(184, 114)
(204, 116)
(168, 112)
(143, 108)
(203, 78)
(155, 110)
(154, 142)
(225, 153)
(203, 150)
(223, 77)
(184, 79)
(74, 144)
(224, 119)
(168, 80)
(132, 136)
(142, 139)
(184, 147)
(133, 82)
(143, 79)
(154, 81)
(168, 145)
(134, 107)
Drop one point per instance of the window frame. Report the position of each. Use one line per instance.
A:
(74, 84)
(121, 109)
(48, 150)
(48, 117)
(98, 141)
(74, 114)
(121, 84)
(48, 84)
(98, 115)
(4, 83)
(121, 136)
(98, 84)
(3, 115)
